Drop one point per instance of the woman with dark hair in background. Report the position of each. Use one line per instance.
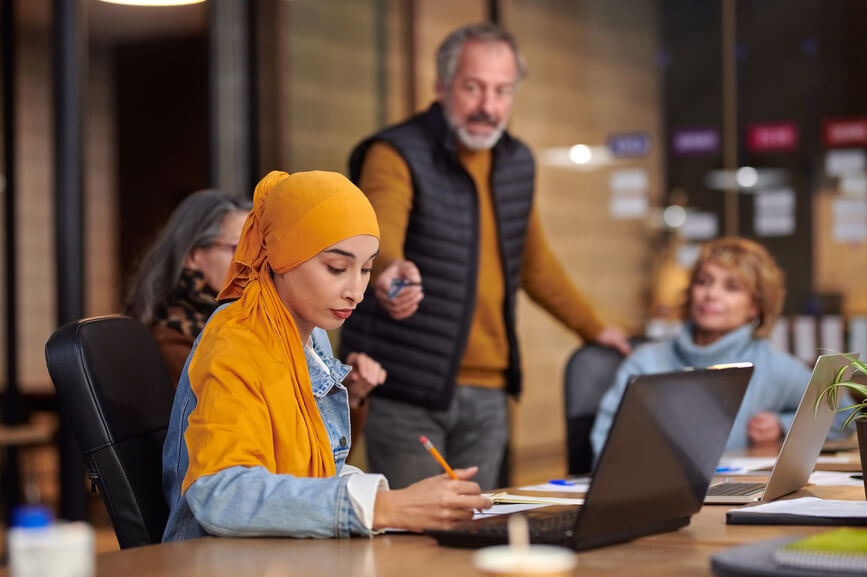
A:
(174, 290)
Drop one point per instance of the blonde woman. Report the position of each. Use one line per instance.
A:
(735, 296)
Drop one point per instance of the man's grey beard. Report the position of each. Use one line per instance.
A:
(478, 141)
(474, 141)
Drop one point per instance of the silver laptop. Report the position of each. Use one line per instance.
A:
(800, 449)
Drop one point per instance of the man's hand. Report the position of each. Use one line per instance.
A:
(615, 338)
(403, 304)
(764, 428)
(364, 376)
(433, 503)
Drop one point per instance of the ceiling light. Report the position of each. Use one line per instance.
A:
(153, 2)
(674, 216)
(746, 177)
(580, 154)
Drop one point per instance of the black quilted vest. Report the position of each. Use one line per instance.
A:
(422, 354)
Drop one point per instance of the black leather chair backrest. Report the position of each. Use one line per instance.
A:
(115, 393)
(589, 373)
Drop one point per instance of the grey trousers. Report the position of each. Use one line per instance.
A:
(472, 431)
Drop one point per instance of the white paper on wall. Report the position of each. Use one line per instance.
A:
(831, 333)
(629, 193)
(845, 161)
(804, 338)
(700, 226)
(850, 219)
(858, 336)
(774, 213)
(779, 337)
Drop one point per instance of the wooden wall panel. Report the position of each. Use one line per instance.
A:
(838, 267)
(331, 92)
(35, 233)
(433, 22)
(592, 73)
(103, 291)
(36, 274)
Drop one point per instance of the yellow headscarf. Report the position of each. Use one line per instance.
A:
(255, 404)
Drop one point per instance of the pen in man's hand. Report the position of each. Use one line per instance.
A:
(436, 455)
(397, 285)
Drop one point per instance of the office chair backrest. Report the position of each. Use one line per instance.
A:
(115, 393)
(589, 373)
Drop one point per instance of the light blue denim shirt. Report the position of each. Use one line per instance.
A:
(244, 501)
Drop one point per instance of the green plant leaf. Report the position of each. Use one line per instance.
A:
(852, 416)
(830, 393)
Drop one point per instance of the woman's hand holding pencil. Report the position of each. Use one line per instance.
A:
(436, 455)
(434, 503)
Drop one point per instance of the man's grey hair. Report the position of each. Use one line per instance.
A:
(195, 223)
(450, 49)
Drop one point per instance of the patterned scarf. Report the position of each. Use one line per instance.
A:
(189, 305)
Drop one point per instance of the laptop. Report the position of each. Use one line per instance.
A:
(665, 442)
(801, 446)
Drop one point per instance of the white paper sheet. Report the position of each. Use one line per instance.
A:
(506, 509)
(745, 465)
(810, 506)
(828, 459)
(835, 478)
(502, 498)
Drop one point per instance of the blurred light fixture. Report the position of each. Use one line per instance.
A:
(674, 216)
(153, 2)
(746, 177)
(580, 154)
(581, 157)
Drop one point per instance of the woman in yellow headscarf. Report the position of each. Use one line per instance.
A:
(257, 440)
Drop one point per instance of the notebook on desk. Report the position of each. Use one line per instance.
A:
(800, 448)
(664, 445)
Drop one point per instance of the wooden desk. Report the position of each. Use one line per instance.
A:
(681, 553)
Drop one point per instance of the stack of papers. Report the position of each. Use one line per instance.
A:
(803, 511)
(499, 498)
(506, 503)
(835, 478)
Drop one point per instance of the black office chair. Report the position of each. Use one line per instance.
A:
(589, 373)
(115, 392)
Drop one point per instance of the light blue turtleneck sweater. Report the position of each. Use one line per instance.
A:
(777, 384)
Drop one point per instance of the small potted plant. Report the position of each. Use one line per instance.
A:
(858, 410)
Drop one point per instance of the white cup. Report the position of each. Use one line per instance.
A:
(532, 561)
(57, 550)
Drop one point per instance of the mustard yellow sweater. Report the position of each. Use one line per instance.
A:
(385, 179)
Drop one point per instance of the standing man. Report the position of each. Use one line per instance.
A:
(453, 192)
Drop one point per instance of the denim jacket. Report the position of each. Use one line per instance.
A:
(244, 501)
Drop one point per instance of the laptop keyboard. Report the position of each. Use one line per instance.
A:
(552, 528)
(734, 489)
